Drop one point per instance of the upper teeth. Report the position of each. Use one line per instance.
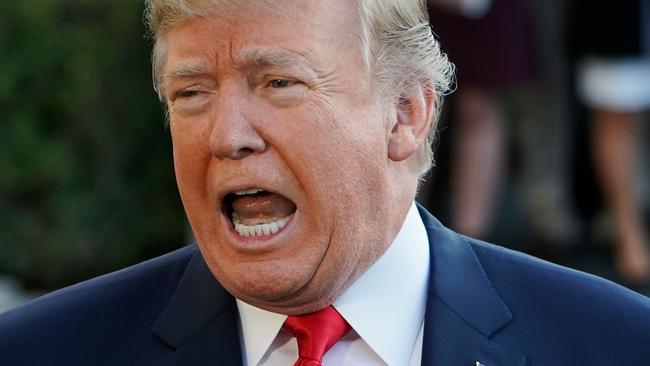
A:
(248, 191)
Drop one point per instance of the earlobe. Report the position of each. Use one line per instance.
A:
(414, 111)
(402, 143)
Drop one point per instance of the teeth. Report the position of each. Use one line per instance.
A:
(259, 229)
(249, 191)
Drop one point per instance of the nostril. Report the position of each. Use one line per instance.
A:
(235, 139)
(242, 153)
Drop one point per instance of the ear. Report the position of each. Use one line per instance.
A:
(414, 113)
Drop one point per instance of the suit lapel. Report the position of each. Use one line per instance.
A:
(200, 322)
(463, 309)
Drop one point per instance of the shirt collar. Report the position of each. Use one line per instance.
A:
(259, 328)
(385, 304)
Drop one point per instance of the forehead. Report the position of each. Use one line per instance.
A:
(315, 26)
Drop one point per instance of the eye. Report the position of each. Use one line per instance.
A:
(187, 93)
(190, 100)
(282, 90)
(280, 83)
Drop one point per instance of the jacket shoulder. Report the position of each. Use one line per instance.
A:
(499, 262)
(575, 313)
(111, 312)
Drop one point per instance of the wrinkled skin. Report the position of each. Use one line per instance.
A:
(301, 120)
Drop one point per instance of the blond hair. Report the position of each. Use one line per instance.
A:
(399, 50)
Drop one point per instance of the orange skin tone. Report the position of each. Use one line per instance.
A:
(282, 102)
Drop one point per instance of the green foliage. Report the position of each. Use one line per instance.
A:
(86, 177)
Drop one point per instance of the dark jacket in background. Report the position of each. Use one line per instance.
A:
(605, 28)
(496, 51)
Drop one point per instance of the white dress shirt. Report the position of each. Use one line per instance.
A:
(385, 308)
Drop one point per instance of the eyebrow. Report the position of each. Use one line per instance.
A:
(187, 69)
(247, 58)
(272, 57)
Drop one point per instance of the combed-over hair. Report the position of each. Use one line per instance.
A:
(399, 48)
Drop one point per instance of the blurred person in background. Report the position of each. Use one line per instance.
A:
(492, 45)
(611, 43)
(511, 70)
(545, 130)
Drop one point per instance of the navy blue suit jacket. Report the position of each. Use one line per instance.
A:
(486, 304)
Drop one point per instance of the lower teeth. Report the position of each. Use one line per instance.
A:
(259, 229)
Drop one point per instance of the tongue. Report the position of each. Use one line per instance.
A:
(262, 208)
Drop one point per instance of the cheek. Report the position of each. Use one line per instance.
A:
(339, 158)
(191, 163)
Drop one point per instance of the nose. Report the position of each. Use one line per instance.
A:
(233, 135)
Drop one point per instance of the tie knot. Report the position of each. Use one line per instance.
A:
(316, 333)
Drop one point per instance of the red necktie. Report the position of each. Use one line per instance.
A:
(316, 333)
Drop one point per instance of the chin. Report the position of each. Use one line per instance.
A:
(266, 290)
(298, 305)
(262, 281)
(291, 291)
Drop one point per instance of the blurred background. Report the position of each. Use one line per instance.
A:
(86, 175)
(542, 147)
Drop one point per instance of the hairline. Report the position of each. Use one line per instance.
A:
(159, 53)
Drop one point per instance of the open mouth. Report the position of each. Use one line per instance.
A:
(257, 213)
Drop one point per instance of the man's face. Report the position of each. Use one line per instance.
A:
(280, 150)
